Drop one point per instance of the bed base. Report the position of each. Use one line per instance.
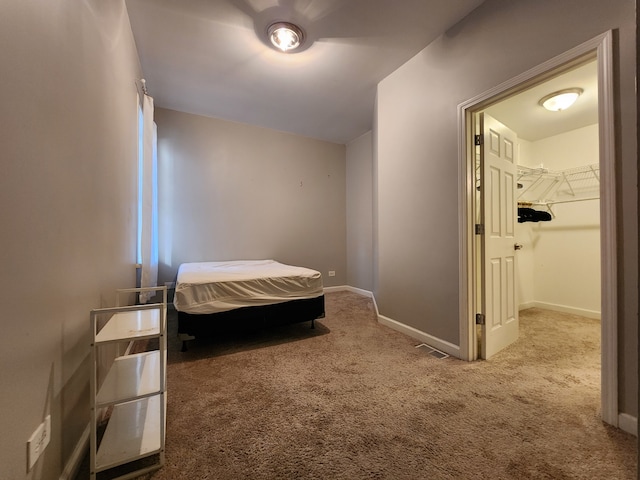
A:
(191, 326)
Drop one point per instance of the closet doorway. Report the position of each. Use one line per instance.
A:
(575, 195)
(555, 242)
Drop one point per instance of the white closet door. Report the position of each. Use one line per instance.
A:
(499, 204)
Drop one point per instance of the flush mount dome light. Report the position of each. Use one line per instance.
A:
(560, 100)
(285, 36)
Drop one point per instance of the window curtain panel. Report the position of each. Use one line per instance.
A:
(149, 224)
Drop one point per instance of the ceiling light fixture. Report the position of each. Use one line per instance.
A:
(285, 36)
(560, 100)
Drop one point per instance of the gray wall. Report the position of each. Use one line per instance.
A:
(417, 158)
(360, 212)
(234, 191)
(67, 196)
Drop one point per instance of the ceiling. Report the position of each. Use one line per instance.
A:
(522, 114)
(210, 57)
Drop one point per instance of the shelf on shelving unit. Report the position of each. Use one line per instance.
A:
(132, 324)
(131, 376)
(133, 432)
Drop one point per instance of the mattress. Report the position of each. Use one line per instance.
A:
(213, 287)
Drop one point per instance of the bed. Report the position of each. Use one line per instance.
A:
(213, 297)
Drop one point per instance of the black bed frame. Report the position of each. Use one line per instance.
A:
(247, 318)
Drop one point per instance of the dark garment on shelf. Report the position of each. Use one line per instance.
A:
(526, 214)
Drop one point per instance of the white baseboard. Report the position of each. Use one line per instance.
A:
(562, 308)
(628, 423)
(339, 288)
(526, 305)
(442, 345)
(360, 291)
(75, 460)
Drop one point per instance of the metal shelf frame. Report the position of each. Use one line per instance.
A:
(134, 387)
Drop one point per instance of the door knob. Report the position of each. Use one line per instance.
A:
(517, 246)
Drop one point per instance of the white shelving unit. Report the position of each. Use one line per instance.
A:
(132, 392)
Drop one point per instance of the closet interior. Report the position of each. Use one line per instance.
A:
(559, 222)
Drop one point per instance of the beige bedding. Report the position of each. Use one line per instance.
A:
(212, 287)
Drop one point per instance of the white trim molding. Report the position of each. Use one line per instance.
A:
(628, 423)
(608, 227)
(563, 308)
(364, 293)
(430, 340)
(339, 288)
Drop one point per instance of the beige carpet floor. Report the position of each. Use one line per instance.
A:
(355, 400)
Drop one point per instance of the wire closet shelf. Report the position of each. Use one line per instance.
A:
(544, 187)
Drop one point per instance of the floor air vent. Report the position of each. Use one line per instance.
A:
(432, 351)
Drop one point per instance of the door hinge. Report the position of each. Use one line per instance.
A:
(480, 318)
(479, 229)
(478, 139)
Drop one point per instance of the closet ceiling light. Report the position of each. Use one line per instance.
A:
(561, 100)
(285, 36)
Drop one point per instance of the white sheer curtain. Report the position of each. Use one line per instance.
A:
(149, 196)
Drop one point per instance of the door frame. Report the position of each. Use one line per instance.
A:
(599, 48)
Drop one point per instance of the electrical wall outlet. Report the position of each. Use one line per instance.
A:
(38, 441)
(332, 273)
